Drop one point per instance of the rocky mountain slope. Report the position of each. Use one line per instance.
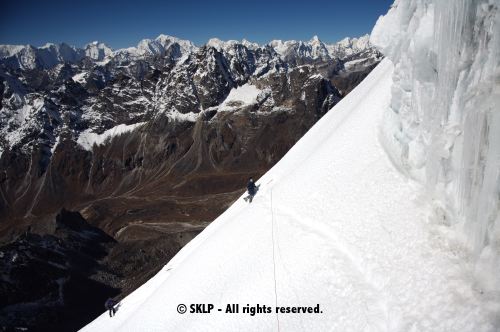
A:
(151, 143)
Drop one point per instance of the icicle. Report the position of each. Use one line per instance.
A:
(445, 123)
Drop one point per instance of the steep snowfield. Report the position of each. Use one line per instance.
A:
(87, 138)
(344, 228)
(243, 95)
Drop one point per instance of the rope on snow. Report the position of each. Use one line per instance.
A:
(274, 262)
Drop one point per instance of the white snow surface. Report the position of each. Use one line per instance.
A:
(175, 115)
(87, 138)
(244, 95)
(81, 77)
(334, 223)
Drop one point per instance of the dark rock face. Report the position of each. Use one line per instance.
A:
(59, 282)
(200, 122)
(53, 282)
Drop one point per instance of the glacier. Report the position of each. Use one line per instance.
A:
(385, 213)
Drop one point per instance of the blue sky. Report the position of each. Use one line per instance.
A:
(122, 24)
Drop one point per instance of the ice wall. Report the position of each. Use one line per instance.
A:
(443, 127)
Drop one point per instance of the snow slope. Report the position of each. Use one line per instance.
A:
(334, 223)
(246, 94)
(87, 138)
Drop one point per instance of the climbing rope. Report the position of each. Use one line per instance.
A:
(274, 263)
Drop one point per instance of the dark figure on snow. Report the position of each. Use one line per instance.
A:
(251, 189)
(110, 305)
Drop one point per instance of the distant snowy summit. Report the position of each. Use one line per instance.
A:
(163, 45)
(98, 51)
(50, 55)
(46, 56)
(315, 48)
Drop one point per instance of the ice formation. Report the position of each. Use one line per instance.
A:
(443, 126)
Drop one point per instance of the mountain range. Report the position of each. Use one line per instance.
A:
(47, 56)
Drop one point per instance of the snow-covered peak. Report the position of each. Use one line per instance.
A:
(318, 48)
(10, 50)
(362, 42)
(231, 47)
(346, 42)
(150, 47)
(52, 54)
(250, 45)
(220, 44)
(67, 53)
(187, 46)
(313, 48)
(314, 40)
(282, 47)
(48, 46)
(97, 51)
(349, 46)
(160, 46)
(215, 43)
(167, 39)
(46, 56)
